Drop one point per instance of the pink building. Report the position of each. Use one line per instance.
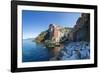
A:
(57, 33)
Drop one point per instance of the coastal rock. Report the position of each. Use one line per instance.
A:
(81, 31)
(78, 46)
(75, 50)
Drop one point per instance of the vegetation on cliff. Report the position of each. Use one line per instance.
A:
(41, 37)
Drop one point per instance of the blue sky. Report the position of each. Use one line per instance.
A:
(34, 22)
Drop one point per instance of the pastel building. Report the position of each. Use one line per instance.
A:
(55, 32)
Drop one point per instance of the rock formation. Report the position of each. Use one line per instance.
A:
(79, 40)
(75, 51)
(81, 31)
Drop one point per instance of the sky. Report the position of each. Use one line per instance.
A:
(34, 22)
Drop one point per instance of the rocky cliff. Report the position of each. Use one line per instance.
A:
(79, 40)
(81, 31)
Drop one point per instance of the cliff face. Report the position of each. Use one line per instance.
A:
(79, 37)
(41, 37)
(81, 31)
